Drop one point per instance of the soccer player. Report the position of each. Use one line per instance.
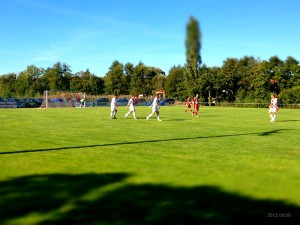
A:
(188, 105)
(131, 104)
(273, 108)
(196, 105)
(155, 108)
(82, 101)
(113, 107)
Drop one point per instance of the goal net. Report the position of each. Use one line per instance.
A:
(54, 99)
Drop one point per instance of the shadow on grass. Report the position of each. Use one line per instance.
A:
(145, 141)
(59, 199)
(285, 121)
(270, 132)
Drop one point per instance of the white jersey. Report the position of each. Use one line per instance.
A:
(155, 105)
(273, 108)
(131, 104)
(113, 104)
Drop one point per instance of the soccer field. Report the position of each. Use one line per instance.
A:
(76, 166)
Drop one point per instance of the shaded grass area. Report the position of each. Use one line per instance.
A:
(66, 199)
(228, 166)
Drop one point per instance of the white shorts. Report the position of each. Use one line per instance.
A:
(113, 108)
(273, 110)
(155, 109)
(131, 108)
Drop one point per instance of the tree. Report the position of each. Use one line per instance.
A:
(100, 85)
(137, 81)
(285, 74)
(295, 74)
(208, 83)
(129, 70)
(260, 81)
(115, 79)
(8, 85)
(246, 65)
(193, 58)
(58, 77)
(290, 96)
(89, 82)
(158, 81)
(175, 83)
(231, 78)
(154, 79)
(29, 83)
(76, 84)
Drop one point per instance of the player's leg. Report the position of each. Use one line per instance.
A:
(158, 117)
(270, 114)
(196, 111)
(127, 114)
(151, 114)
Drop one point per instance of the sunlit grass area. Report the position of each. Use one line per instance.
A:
(69, 165)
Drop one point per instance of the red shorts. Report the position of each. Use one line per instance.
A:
(196, 107)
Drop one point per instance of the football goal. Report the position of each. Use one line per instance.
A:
(54, 99)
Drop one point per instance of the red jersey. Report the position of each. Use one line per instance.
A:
(195, 100)
(196, 104)
(188, 102)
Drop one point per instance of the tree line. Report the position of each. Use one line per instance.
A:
(245, 79)
(237, 80)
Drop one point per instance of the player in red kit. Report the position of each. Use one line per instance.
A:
(196, 105)
(188, 105)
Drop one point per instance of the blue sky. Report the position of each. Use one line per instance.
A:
(91, 34)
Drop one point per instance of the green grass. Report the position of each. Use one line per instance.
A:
(75, 166)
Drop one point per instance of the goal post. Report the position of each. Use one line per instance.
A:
(62, 99)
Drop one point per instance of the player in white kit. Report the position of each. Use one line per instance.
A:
(113, 107)
(155, 108)
(273, 108)
(131, 104)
